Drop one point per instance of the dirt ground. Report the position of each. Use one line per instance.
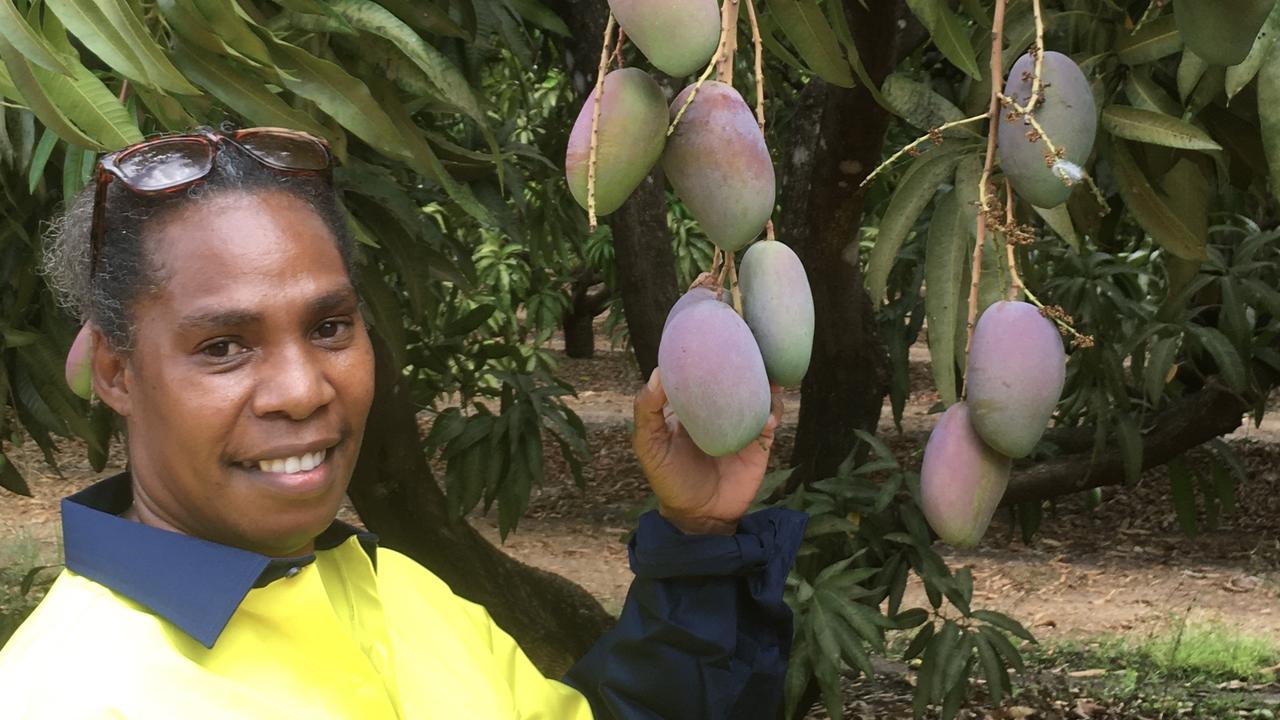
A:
(1121, 568)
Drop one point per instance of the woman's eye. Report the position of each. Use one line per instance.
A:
(222, 349)
(330, 329)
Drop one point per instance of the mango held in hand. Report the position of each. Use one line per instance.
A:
(1017, 366)
(1221, 32)
(1069, 116)
(714, 377)
(79, 369)
(962, 479)
(632, 132)
(677, 36)
(719, 166)
(778, 307)
(695, 295)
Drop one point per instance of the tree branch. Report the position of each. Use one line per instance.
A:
(1195, 419)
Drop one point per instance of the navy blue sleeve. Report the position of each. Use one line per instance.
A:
(704, 632)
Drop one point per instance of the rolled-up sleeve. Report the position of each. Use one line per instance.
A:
(704, 632)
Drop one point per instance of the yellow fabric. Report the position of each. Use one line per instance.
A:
(337, 640)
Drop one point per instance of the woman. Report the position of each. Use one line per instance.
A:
(211, 579)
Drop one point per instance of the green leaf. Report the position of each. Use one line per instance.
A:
(917, 644)
(40, 159)
(1224, 354)
(1239, 75)
(11, 479)
(1184, 497)
(538, 14)
(156, 63)
(1150, 209)
(947, 641)
(954, 672)
(1190, 69)
(24, 79)
(840, 23)
(90, 105)
(90, 26)
(342, 96)
(997, 678)
(1143, 92)
(246, 95)
(1155, 128)
(1159, 363)
(17, 34)
(1269, 115)
(807, 29)
(1150, 43)
(945, 253)
(949, 34)
(1059, 220)
(233, 27)
(909, 200)
(1003, 647)
(1004, 622)
(799, 670)
(918, 103)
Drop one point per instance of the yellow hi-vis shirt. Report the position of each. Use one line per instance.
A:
(335, 639)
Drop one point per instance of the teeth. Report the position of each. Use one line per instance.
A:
(297, 463)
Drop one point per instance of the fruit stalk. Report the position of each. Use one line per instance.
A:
(993, 111)
(758, 42)
(595, 123)
(729, 33)
(727, 43)
(1015, 280)
(934, 135)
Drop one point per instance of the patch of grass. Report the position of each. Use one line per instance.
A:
(24, 579)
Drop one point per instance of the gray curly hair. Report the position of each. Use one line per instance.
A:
(125, 271)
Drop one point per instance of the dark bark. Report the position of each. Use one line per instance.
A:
(641, 239)
(396, 495)
(1193, 420)
(837, 141)
(589, 298)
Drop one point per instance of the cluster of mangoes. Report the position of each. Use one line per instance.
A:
(1016, 369)
(716, 365)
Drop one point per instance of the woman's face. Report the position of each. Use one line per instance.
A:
(251, 377)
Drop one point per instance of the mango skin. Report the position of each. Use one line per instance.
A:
(777, 304)
(633, 132)
(79, 368)
(1017, 366)
(1069, 116)
(697, 294)
(714, 377)
(677, 36)
(961, 480)
(1221, 32)
(719, 165)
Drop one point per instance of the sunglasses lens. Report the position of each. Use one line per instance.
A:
(165, 164)
(286, 150)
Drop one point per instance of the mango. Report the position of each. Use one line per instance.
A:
(677, 36)
(719, 165)
(1017, 366)
(961, 480)
(632, 133)
(697, 294)
(1069, 117)
(714, 377)
(79, 368)
(778, 307)
(1221, 32)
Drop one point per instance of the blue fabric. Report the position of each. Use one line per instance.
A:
(704, 632)
(194, 584)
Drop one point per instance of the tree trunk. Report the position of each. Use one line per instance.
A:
(641, 239)
(395, 492)
(837, 142)
(579, 320)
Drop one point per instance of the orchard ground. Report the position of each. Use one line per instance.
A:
(1135, 619)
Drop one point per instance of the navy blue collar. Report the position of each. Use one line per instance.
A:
(194, 584)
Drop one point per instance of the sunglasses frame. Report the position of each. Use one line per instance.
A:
(108, 169)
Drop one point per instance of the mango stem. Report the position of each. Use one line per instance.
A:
(595, 123)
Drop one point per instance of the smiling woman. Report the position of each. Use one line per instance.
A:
(211, 579)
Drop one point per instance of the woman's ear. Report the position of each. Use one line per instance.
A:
(111, 379)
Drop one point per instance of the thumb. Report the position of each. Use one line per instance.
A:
(650, 401)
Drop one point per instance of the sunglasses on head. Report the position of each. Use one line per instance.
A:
(175, 162)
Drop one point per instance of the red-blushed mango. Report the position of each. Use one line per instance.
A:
(962, 479)
(714, 377)
(1068, 115)
(1017, 366)
(79, 369)
(632, 132)
(719, 165)
(677, 36)
(778, 307)
(1221, 32)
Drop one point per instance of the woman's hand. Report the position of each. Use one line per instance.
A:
(696, 492)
